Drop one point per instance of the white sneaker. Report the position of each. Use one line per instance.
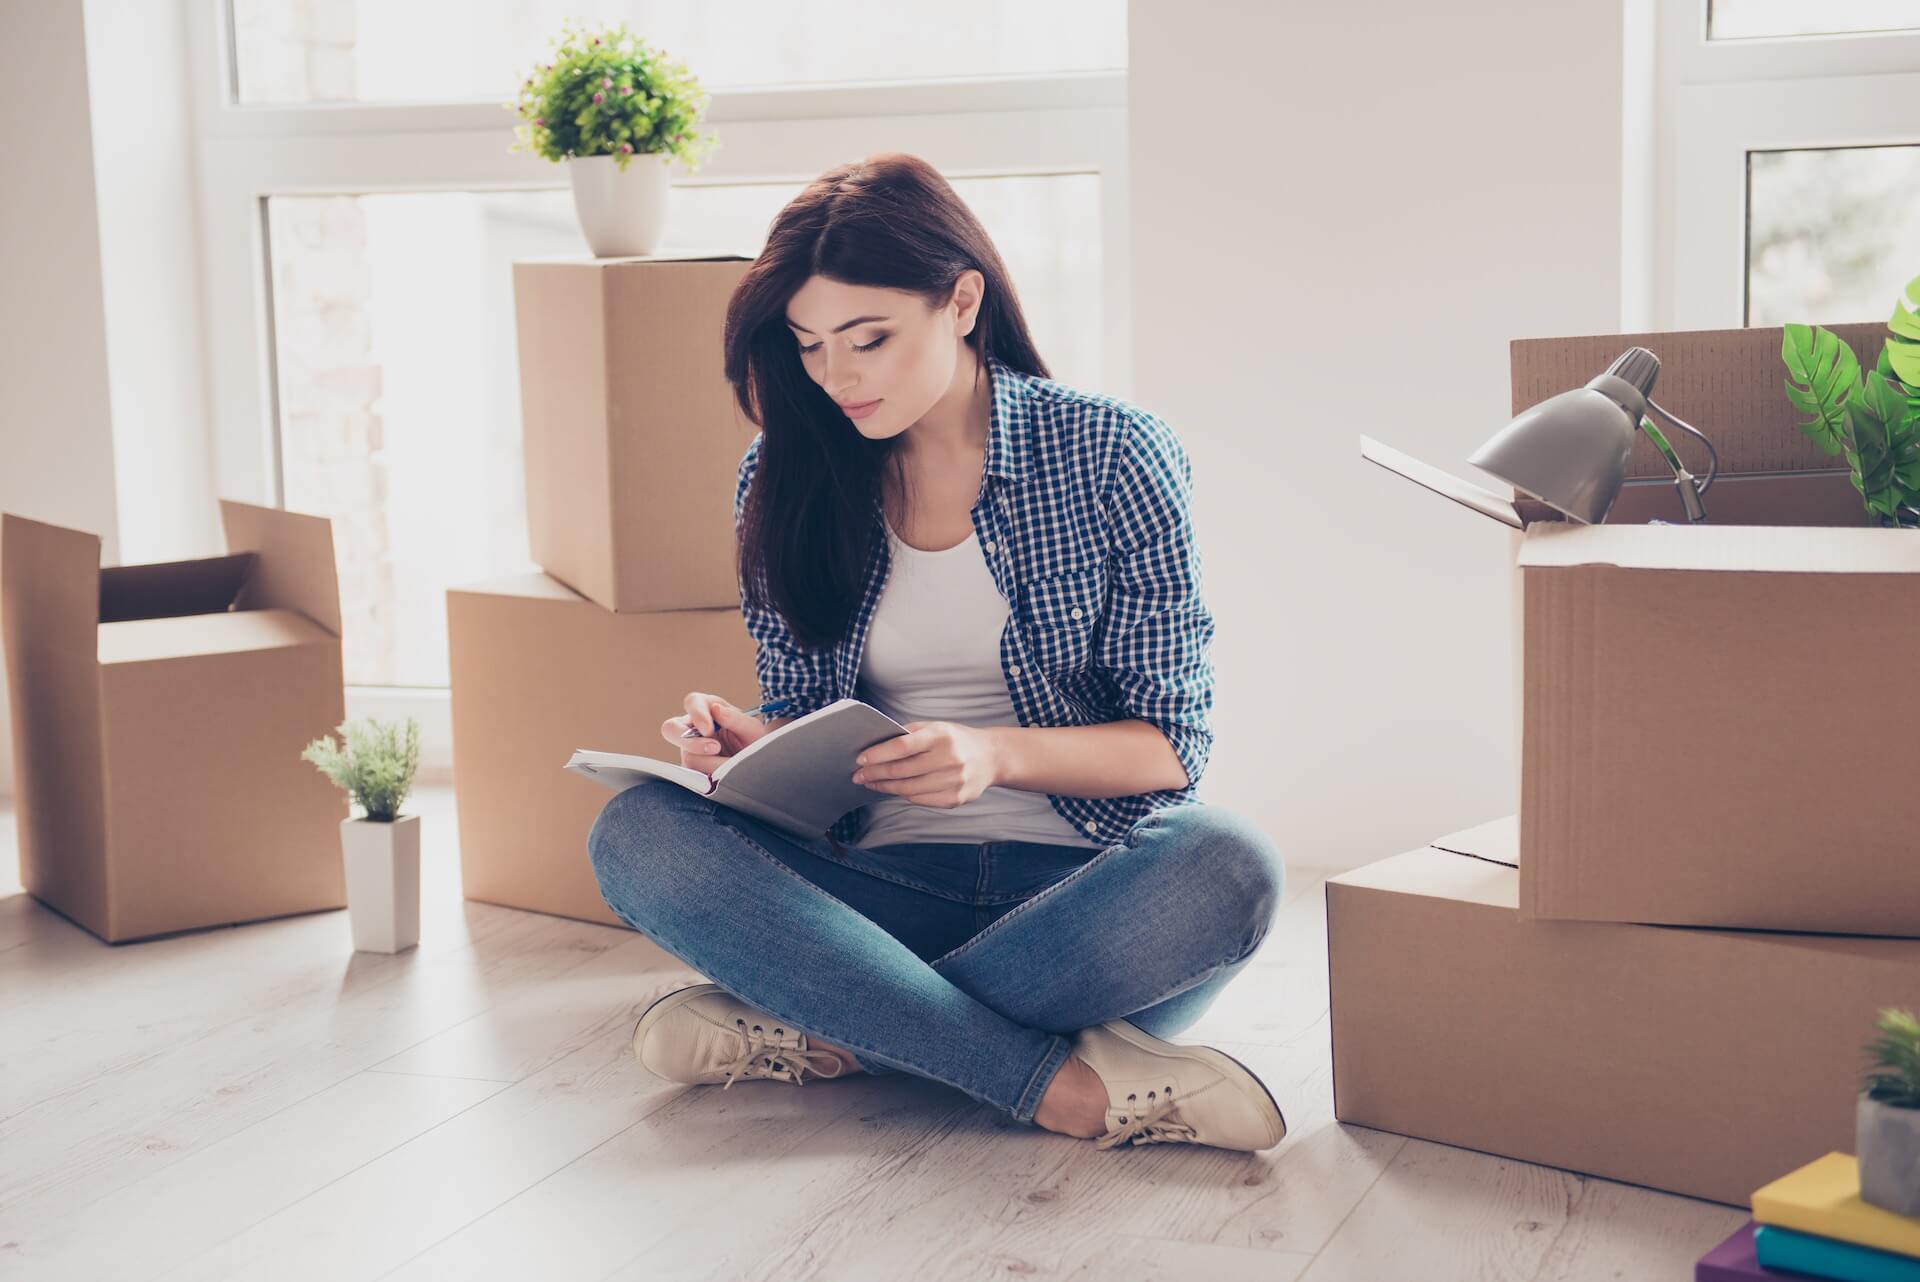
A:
(1162, 1093)
(706, 1036)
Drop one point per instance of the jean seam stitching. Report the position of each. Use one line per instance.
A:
(1049, 1065)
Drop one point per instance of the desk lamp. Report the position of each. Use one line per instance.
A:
(1570, 451)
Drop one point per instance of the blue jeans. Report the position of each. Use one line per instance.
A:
(970, 964)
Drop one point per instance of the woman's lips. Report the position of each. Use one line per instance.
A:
(860, 411)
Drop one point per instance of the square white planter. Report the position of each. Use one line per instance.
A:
(1888, 1142)
(383, 882)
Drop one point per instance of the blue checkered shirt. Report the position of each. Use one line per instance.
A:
(1085, 522)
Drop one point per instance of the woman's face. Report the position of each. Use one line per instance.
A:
(883, 355)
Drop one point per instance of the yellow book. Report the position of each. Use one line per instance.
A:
(1823, 1197)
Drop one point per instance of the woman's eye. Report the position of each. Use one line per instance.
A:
(814, 347)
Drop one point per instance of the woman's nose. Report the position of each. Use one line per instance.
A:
(834, 377)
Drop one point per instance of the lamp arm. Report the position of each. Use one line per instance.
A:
(1713, 455)
(1659, 440)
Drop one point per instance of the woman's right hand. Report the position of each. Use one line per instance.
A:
(724, 728)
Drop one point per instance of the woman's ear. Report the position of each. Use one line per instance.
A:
(969, 291)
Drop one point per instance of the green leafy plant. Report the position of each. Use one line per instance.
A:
(1895, 1078)
(1874, 421)
(376, 765)
(607, 92)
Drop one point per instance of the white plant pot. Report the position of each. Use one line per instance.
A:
(622, 215)
(383, 882)
(1888, 1142)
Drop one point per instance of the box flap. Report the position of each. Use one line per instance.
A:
(1496, 842)
(208, 585)
(1756, 548)
(185, 636)
(49, 593)
(1729, 383)
(534, 585)
(1435, 874)
(1784, 498)
(296, 569)
(1465, 493)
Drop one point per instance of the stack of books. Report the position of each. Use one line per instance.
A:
(1813, 1223)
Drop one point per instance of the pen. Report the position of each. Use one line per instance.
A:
(693, 732)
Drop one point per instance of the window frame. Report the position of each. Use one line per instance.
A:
(983, 127)
(1717, 101)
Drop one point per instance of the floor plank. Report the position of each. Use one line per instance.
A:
(261, 1099)
(1441, 1213)
(196, 1203)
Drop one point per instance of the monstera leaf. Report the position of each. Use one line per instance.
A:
(1823, 381)
(1884, 452)
(1903, 337)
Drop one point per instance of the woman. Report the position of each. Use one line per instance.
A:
(1006, 567)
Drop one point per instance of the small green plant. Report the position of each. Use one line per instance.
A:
(375, 767)
(607, 92)
(1874, 421)
(1895, 1076)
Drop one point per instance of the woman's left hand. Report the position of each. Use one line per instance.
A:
(936, 763)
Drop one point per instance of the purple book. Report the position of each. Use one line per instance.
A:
(1733, 1260)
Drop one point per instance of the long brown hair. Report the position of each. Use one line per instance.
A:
(807, 528)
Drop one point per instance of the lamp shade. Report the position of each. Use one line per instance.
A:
(1570, 451)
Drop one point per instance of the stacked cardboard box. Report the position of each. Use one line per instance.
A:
(159, 712)
(1663, 970)
(633, 440)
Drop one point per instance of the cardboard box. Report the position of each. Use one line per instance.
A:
(1709, 737)
(1702, 1062)
(159, 712)
(632, 435)
(538, 671)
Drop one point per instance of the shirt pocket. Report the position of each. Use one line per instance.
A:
(1060, 614)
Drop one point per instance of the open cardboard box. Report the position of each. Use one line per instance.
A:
(159, 712)
(1702, 1062)
(1710, 732)
(538, 671)
(632, 435)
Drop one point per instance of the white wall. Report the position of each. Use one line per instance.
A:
(144, 176)
(56, 440)
(1341, 214)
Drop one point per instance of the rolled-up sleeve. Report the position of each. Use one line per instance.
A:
(1154, 647)
(783, 668)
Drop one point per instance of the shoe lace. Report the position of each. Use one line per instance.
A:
(1154, 1124)
(781, 1056)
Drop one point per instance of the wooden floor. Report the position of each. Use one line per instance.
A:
(261, 1101)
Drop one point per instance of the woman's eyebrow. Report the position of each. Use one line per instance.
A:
(858, 320)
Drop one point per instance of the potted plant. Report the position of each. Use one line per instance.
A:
(1874, 421)
(382, 849)
(616, 110)
(1888, 1126)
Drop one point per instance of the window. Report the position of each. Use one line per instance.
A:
(397, 388)
(360, 208)
(1832, 234)
(1784, 168)
(371, 50)
(1751, 19)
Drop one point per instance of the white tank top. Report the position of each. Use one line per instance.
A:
(933, 654)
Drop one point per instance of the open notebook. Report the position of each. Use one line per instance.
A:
(798, 778)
